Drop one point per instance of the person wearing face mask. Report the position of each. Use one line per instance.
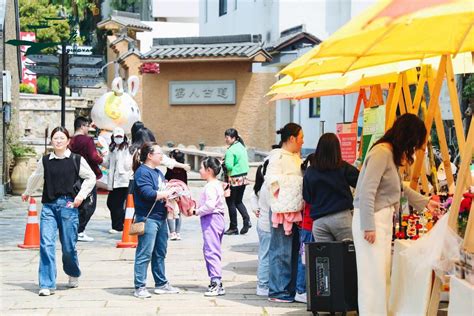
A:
(119, 163)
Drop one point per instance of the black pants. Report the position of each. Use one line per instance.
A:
(234, 203)
(116, 205)
(86, 211)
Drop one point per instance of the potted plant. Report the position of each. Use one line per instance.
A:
(24, 161)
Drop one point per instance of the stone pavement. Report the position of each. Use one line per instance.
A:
(106, 284)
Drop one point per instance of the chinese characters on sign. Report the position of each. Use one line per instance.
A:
(347, 133)
(202, 92)
(27, 77)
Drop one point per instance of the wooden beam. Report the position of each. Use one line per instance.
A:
(455, 107)
(401, 104)
(406, 93)
(463, 173)
(420, 88)
(443, 143)
(394, 103)
(360, 99)
(391, 90)
(434, 97)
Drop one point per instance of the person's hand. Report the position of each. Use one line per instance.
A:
(25, 197)
(162, 195)
(257, 213)
(433, 205)
(78, 201)
(369, 235)
(187, 167)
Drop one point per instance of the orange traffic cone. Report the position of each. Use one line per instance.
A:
(127, 240)
(32, 235)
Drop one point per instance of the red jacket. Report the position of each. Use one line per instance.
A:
(307, 223)
(84, 145)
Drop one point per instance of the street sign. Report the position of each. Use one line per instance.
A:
(76, 50)
(76, 71)
(44, 59)
(84, 82)
(43, 70)
(85, 60)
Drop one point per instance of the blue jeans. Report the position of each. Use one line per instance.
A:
(283, 255)
(56, 216)
(171, 224)
(151, 246)
(305, 236)
(263, 263)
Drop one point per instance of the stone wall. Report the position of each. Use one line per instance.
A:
(38, 112)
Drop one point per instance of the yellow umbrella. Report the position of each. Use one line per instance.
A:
(389, 31)
(334, 84)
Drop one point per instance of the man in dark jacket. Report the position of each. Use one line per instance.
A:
(82, 144)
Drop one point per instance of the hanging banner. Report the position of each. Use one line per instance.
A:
(347, 134)
(27, 77)
(374, 127)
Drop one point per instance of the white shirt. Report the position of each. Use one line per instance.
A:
(36, 180)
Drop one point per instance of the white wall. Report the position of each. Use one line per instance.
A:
(165, 29)
(175, 9)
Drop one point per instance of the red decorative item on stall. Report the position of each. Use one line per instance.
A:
(149, 68)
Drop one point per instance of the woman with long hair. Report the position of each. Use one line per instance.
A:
(59, 172)
(378, 193)
(284, 180)
(327, 188)
(237, 166)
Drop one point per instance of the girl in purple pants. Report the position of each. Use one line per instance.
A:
(211, 210)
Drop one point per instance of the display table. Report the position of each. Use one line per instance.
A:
(461, 297)
(410, 287)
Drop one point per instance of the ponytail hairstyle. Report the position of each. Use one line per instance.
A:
(213, 164)
(141, 155)
(290, 129)
(232, 132)
(260, 177)
(307, 162)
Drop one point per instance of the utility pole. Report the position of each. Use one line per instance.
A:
(63, 76)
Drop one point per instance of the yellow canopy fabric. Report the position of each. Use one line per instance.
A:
(390, 31)
(334, 84)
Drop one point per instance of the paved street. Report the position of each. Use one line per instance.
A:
(106, 284)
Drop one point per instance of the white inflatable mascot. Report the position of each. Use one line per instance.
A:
(117, 108)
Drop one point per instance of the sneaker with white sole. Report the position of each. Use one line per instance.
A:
(142, 292)
(73, 282)
(301, 297)
(262, 291)
(166, 289)
(84, 237)
(113, 231)
(215, 289)
(173, 236)
(178, 236)
(45, 292)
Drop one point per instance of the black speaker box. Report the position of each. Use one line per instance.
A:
(331, 278)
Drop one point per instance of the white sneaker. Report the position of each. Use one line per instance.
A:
(142, 292)
(215, 289)
(166, 289)
(73, 282)
(84, 237)
(301, 297)
(178, 236)
(173, 236)
(45, 292)
(113, 231)
(262, 291)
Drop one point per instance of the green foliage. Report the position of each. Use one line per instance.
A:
(126, 5)
(77, 8)
(468, 90)
(34, 12)
(43, 85)
(20, 150)
(26, 88)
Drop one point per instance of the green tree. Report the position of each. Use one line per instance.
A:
(43, 85)
(126, 5)
(34, 12)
